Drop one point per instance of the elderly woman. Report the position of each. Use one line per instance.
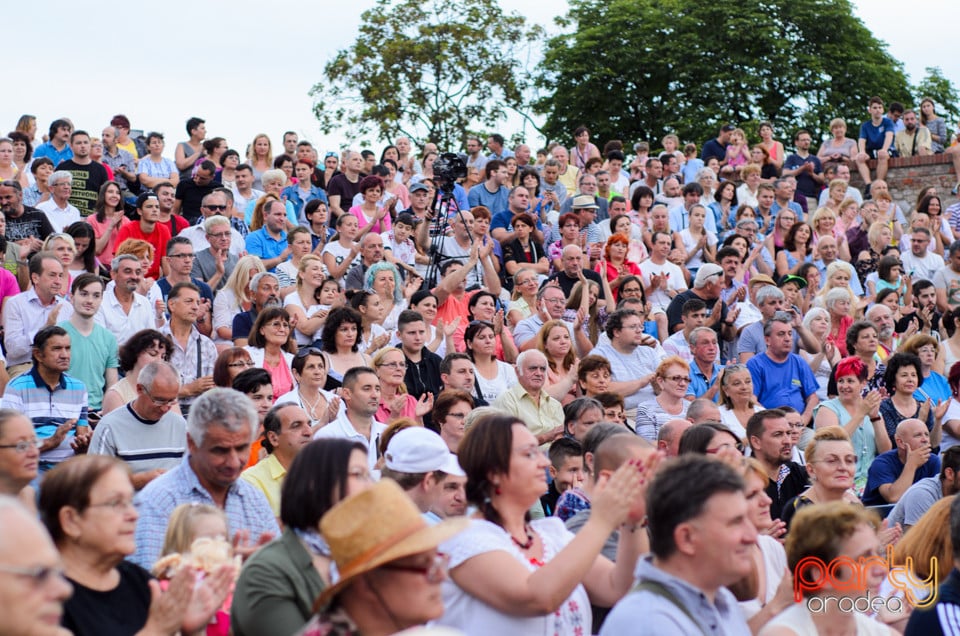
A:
(904, 375)
(510, 575)
(274, 181)
(737, 402)
(878, 236)
(138, 351)
(818, 322)
(279, 584)
(837, 303)
(384, 279)
(839, 147)
(672, 377)
(829, 533)
(230, 363)
(858, 415)
(391, 365)
(839, 275)
(832, 465)
(87, 506)
(524, 297)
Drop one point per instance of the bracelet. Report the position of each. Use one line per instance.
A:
(876, 419)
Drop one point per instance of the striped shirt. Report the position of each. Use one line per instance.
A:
(144, 444)
(48, 407)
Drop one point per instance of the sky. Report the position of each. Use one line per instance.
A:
(246, 67)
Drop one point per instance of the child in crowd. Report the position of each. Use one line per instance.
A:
(566, 471)
(197, 534)
(692, 164)
(398, 244)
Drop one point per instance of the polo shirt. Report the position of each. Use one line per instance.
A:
(159, 238)
(261, 244)
(48, 408)
(700, 383)
(267, 475)
(342, 428)
(48, 150)
(887, 468)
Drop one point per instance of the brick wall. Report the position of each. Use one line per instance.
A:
(907, 176)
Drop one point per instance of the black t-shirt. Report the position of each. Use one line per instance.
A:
(87, 181)
(793, 484)
(120, 612)
(344, 188)
(190, 196)
(566, 282)
(32, 223)
(243, 323)
(424, 376)
(675, 311)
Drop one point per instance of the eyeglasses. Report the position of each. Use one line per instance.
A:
(278, 324)
(168, 402)
(457, 416)
(435, 572)
(241, 364)
(679, 379)
(216, 208)
(555, 301)
(220, 235)
(394, 365)
(637, 327)
(39, 576)
(23, 446)
(714, 451)
(117, 505)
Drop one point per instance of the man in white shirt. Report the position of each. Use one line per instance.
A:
(244, 193)
(124, 312)
(361, 397)
(26, 313)
(919, 262)
(57, 207)
(633, 357)
(662, 279)
(213, 204)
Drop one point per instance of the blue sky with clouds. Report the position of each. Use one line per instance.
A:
(246, 67)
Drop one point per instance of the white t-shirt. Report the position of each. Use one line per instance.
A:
(659, 298)
(293, 298)
(340, 253)
(491, 389)
(690, 243)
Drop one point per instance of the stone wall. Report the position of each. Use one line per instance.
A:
(907, 176)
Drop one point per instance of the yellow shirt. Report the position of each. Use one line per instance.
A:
(569, 179)
(267, 475)
(539, 419)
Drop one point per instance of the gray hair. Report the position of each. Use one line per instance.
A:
(526, 355)
(702, 173)
(835, 294)
(227, 408)
(813, 313)
(255, 281)
(551, 163)
(274, 174)
(60, 175)
(768, 292)
(214, 221)
(148, 375)
(117, 260)
(696, 333)
(781, 316)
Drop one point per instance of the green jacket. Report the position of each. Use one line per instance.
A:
(276, 589)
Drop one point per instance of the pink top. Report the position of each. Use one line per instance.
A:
(379, 227)
(98, 229)
(8, 285)
(280, 378)
(409, 410)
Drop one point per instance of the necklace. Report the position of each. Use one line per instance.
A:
(528, 544)
(312, 407)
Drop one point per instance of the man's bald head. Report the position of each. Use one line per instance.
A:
(668, 438)
(617, 449)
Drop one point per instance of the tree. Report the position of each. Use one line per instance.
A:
(942, 91)
(428, 70)
(688, 66)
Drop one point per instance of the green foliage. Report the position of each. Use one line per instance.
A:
(942, 91)
(429, 70)
(639, 69)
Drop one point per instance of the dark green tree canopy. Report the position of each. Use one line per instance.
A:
(941, 90)
(430, 70)
(639, 69)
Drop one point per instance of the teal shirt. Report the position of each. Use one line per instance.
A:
(90, 357)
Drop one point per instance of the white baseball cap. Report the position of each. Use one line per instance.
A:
(420, 450)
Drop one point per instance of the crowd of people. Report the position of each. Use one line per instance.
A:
(573, 391)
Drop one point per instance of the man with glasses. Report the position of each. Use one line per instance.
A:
(920, 261)
(551, 302)
(58, 209)
(220, 429)
(781, 377)
(179, 265)
(148, 433)
(32, 586)
(633, 357)
(194, 354)
(54, 401)
(94, 356)
(214, 263)
(528, 402)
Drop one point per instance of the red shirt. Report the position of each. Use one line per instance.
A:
(158, 238)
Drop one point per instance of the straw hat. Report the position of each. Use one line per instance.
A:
(374, 527)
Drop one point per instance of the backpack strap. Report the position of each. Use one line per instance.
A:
(661, 590)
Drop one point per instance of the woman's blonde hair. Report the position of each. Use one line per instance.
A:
(728, 372)
(873, 233)
(576, 297)
(821, 214)
(917, 340)
(381, 355)
(825, 434)
(516, 285)
(239, 282)
(543, 334)
(304, 263)
(180, 527)
(251, 152)
(927, 540)
(59, 236)
(749, 169)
